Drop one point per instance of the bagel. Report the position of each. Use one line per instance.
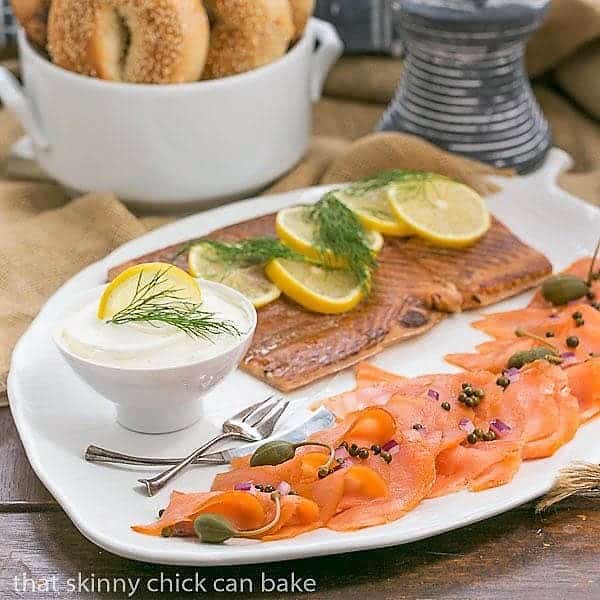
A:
(137, 41)
(302, 11)
(246, 34)
(32, 15)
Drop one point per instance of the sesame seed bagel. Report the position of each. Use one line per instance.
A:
(302, 10)
(246, 34)
(32, 15)
(136, 41)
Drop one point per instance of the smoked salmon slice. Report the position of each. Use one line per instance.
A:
(584, 381)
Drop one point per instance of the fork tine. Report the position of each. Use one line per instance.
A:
(266, 427)
(260, 413)
(243, 414)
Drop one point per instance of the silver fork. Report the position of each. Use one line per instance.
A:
(252, 424)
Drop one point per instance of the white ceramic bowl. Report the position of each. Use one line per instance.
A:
(172, 147)
(159, 400)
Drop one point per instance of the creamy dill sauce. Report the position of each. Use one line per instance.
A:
(142, 345)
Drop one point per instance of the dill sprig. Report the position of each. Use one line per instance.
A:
(252, 251)
(386, 178)
(248, 252)
(339, 232)
(156, 304)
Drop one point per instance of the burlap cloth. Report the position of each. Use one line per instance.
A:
(46, 238)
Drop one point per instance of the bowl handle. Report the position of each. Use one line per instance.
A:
(17, 103)
(329, 49)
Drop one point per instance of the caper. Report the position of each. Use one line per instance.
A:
(323, 472)
(490, 436)
(376, 448)
(166, 532)
(471, 402)
(161, 512)
(549, 334)
(418, 427)
(258, 487)
(519, 359)
(386, 456)
(472, 438)
(503, 381)
(478, 393)
(214, 529)
(353, 450)
(466, 386)
(562, 289)
(462, 397)
(479, 433)
(268, 489)
(580, 322)
(273, 453)
(363, 453)
(446, 405)
(590, 295)
(572, 341)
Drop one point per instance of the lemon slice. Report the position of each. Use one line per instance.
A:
(442, 211)
(163, 276)
(250, 281)
(327, 291)
(374, 211)
(296, 230)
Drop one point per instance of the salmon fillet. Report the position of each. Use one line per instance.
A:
(415, 285)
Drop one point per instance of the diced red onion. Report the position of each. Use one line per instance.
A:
(394, 450)
(567, 355)
(342, 453)
(433, 394)
(466, 425)
(284, 488)
(499, 427)
(389, 446)
(512, 374)
(345, 465)
(246, 486)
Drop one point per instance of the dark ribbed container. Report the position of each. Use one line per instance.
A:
(465, 87)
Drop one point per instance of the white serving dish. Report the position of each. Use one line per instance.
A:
(172, 147)
(159, 400)
(57, 416)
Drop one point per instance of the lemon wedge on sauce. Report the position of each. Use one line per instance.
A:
(163, 276)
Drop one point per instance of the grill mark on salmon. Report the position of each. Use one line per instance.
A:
(415, 286)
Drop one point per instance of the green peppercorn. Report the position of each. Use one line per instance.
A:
(363, 453)
(478, 393)
(489, 436)
(462, 397)
(590, 295)
(268, 489)
(161, 512)
(386, 456)
(580, 323)
(166, 532)
(471, 402)
(323, 472)
(446, 405)
(472, 438)
(418, 427)
(479, 433)
(572, 341)
(475, 402)
(376, 448)
(549, 334)
(353, 450)
(503, 381)
(466, 386)
(577, 315)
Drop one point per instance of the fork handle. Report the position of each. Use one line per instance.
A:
(97, 454)
(155, 484)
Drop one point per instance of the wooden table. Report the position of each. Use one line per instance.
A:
(513, 556)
